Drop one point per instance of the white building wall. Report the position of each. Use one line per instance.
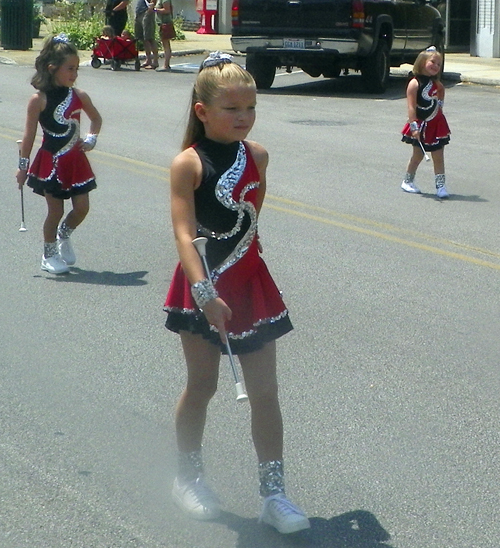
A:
(486, 34)
(186, 9)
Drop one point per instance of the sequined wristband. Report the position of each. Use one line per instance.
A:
(414, 126)
(203, 292)
(90, 140)
(24, 164)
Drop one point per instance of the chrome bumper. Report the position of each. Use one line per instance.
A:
(265, 44)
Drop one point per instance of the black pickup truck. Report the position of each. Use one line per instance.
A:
(326, 37)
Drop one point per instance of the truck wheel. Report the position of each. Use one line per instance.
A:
(332, 72)
(262, 69)
(375, 69)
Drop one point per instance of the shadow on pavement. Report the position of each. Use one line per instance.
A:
(350, 86)
(77, 275)
(357, 529)
(454, 197)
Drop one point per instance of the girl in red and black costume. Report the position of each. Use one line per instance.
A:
(426, 125)
(60, 169)
(218, 185)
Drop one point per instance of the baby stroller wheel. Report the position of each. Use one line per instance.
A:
(137, 65)
(95, 62)
(115, 64)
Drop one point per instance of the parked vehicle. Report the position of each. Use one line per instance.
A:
(326, 37)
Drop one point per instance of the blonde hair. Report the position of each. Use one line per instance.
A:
(421, 60)
(54, 53)
(210, 82)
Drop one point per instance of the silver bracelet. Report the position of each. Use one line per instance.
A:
(414, 126)
(24, 164)
(90, 140)
(203, 292)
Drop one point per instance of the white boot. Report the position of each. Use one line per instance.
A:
(408, 185)
(441, 191)
(64, 244)
(52, 261)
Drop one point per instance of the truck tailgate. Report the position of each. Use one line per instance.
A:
(288, 17)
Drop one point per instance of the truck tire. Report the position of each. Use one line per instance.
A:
(375, 69)
(262, 69)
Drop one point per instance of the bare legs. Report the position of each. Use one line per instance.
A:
(416, 157)
(168, 53)
(55, 212)
(259, 370)
(202, 360)
(151, 50)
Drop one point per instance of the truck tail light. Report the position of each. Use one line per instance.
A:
(358, 14)
(235, 13)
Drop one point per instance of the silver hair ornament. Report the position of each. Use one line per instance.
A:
(217, 58)
(61, 37)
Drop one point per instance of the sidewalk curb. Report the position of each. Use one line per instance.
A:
(451, 76)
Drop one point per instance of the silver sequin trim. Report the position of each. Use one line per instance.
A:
(434, 106)
(231, 335)
(272, 478)
(190, 465)
(224, 194)
(71, 123)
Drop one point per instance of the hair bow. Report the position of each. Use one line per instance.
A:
(431, 48)
(217, 58)
(61, 37)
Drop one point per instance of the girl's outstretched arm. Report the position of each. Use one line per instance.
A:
(185, 177)
(36, 104)
(93, 115)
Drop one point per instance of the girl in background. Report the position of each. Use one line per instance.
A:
(427, 125)
(60, 170)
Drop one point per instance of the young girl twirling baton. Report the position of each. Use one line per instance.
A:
(427, 126)
(60, 169)
(218, 183)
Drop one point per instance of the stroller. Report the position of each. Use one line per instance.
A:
(117, 51)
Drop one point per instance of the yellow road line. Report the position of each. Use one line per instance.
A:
(388, 237)
(324, 216)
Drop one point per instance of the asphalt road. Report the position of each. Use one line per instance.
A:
(389, 382)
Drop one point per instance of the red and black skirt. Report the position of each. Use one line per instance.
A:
(435, 133)
(259, 314)
(62, 176)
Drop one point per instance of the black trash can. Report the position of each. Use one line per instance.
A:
(17, 24)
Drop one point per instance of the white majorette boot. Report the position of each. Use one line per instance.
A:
(190, 491)
(64, 244)
(51, 260)
(277, 510)
(441, 191)
(408, 185)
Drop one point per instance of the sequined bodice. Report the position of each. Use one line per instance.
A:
(60, 120)
(225, 201)
(427, 100)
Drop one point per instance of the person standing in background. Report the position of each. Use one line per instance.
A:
(164, 18)
(145, 32)
(116, 15)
